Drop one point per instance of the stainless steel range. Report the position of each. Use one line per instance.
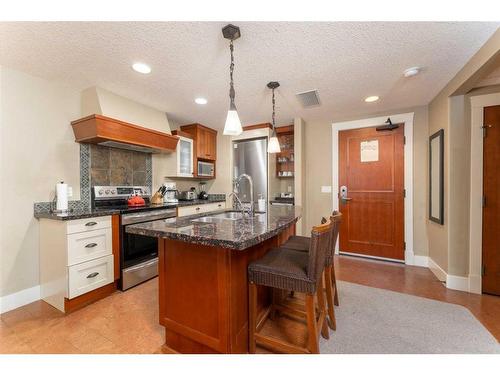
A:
(139, 254)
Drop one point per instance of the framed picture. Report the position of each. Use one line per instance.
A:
(436, 177)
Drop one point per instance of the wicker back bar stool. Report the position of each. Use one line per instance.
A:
(292, 270)
(301, 243)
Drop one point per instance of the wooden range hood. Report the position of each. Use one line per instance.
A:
(106, 131)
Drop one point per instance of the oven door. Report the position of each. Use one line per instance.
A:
(137, 248)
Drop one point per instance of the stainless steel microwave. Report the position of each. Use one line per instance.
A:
(206, 169)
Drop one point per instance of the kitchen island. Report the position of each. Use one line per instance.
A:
(203, 294)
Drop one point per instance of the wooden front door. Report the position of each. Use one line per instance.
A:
(491, 202)
(371, 168)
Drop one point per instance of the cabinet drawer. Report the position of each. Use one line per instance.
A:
(85, 225)
(87, 276)
(90, 245)
(202, 208)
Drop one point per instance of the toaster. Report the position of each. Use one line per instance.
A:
(187, 195)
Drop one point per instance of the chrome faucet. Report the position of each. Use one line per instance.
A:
(236, 183)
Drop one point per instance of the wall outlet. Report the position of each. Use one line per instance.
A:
(289, 189)
(326, 189)
(70, 191)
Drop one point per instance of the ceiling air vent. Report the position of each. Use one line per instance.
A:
(308, 98)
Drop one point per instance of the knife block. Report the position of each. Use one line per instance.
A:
(157, 199)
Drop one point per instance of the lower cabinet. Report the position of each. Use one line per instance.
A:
(200, 208)
(76, 260)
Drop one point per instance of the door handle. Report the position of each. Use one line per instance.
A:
(343, 193)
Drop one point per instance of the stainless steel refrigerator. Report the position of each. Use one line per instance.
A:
(250, 157)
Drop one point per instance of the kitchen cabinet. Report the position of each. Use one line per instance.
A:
(185, 157)
(200, 208)
(76, 261)
(205, 143)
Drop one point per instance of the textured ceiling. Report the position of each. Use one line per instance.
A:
(345, 62)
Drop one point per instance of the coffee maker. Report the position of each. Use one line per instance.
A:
(170, 193)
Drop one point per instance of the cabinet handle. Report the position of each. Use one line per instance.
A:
(90, 245)
(220, 205)
(197, 208)
(92, 275)
(90, 224)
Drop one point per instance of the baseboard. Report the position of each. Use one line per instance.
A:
(436, 270)
(457, 283)
(416, 260)
(475, 284)
(18, 299)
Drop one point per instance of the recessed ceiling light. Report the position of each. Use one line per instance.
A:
(141, 68)
(371, 99)
(410, 72)
(201, 101)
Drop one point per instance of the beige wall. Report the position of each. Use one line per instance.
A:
(450, 110)
(37, 150)
(318, 172)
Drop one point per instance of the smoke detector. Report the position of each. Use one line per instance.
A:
(308, 98)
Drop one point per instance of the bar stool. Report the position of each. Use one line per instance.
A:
(292, 270)
(301, 243)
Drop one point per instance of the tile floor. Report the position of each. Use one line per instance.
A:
(128, 322)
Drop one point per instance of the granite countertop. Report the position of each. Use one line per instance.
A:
(232, 234)
(91, 212)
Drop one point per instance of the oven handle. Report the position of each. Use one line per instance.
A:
(139, 218)
(142, 265)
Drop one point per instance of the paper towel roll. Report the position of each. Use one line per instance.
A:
(62, 196)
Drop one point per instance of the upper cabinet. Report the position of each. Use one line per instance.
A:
(205, 145)
(205, 140)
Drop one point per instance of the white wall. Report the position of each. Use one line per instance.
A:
(37, 150)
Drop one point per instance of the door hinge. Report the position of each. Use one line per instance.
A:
(404, 245)
(404, 140)
(485, 127)
(404, 193)
(483, 269)
(484, 200)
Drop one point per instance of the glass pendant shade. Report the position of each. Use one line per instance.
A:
(233, 123)
(274, 146)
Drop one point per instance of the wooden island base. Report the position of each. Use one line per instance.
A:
(203, 294)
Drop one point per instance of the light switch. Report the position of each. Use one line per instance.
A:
(326, 189)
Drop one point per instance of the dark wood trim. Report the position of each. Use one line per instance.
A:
(257, 126)
(181, 133)
(284, 129)
(97, 129)
(196, 125)
(76, 303)
(116, 244)
(440, 219)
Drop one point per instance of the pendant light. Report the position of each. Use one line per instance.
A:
(233, 123)
(274, 146)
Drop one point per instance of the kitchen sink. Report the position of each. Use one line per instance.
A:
(229, 215)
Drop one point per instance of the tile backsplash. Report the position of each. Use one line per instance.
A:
(114, 166)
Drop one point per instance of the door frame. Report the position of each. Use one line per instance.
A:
(476, 188)
(407, 119)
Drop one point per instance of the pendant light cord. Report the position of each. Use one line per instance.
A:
(231, 69)
(273, 111)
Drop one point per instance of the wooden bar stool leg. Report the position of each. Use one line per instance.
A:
(329, 294)
(322, 310)
(334, 280)
(312, 340)
(252, 316)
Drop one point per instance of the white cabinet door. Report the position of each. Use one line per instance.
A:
(185, 157)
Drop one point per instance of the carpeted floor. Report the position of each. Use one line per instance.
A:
(371, 320)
